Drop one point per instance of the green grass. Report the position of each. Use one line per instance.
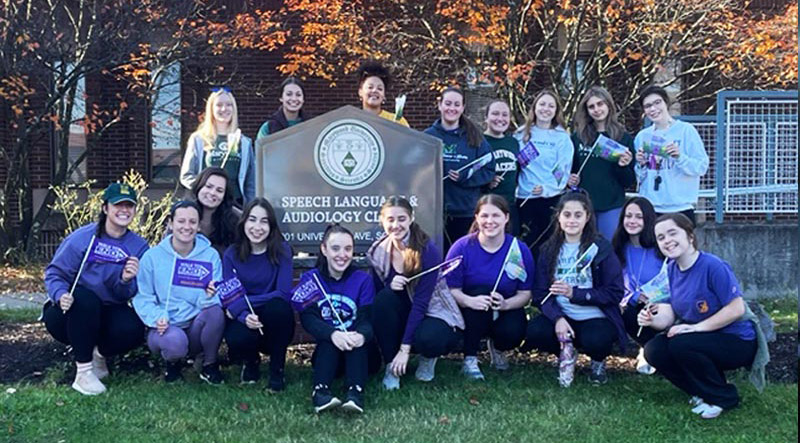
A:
(525, 405)
(23, 315)
(783, 311)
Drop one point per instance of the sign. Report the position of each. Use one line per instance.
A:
(340, 167)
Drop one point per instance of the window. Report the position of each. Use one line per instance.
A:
(165, 125)
(77, 130)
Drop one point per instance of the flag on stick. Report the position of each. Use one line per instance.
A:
(580, 265)
(527, 154)
(513, 267)
(608, 149)
(446, 266)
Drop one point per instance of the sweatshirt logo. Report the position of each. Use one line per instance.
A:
(702, 306)
(345, 307)
(349, 154)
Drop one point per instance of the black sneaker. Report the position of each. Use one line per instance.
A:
(173, 372)
(323, 399)
(250, 373)
(211, 374)
(598, 375)
(277, 383)
(354, 402)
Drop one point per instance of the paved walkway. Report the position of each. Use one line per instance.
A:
(18, 300)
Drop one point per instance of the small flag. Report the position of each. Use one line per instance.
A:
(557, 173)
(102, 252)
(608, 149)
(655, 146)
(305, 293)
(450, 265)
(586, 259)
(477, 165)
(657, 289)
(515, 266)
(192, 273)
(229, 291)
(527, 154)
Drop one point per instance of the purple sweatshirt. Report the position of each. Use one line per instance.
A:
(422, 291)
(479, 269)
(352, 297)
(260, 277)
(102, 279)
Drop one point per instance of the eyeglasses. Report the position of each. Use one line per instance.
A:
(221, 89)
(657, 102)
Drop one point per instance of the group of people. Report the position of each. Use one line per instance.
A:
(596, 267)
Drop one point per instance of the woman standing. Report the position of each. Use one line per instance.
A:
(183, 315)
(92, 314)
(605, 180)
(218, 216)
(505, 149)
(262, 261)
(580, 307)
(420, 314)
(495, 275)
(290, 112)
(218, 141)
(544, 178)
(373, 81)
(670, 157)
(463, 145)
(716, 331)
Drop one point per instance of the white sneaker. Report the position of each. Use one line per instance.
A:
(426, 369)
(99, 366)
(695, 401)
(498, 358)
(470, 368)
(391, 382)
(642, 366)
(87, 383)
(711, 411)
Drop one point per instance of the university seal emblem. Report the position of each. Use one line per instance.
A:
(349, 154)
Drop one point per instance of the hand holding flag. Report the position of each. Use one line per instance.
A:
(474, 166)
(231, 290)
(579, 266)
(656, 290)
(446, 266)
(656, 146)
(513, 267)
(608, 149)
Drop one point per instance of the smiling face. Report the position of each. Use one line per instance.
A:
(498, 117)
(572, 219)
(185, 224)
(223, 108)
(396, 222)
(545, 110)
(256, 226)
(597, 109)
(491, 221)
(292, 98)
(338, 250)
(673, 241)
(119, 215)
(633, 220)
(451, 107)
(211, 194)
(372, 93)
(655, 108)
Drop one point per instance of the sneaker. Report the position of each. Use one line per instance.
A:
(699, 408)
(426, 369)
(99, 366)
(566, 364)
(711, 411)
(598, 374)
(391, 382)
(470, 368)
(354, 402)
(322, 399)
(277, 383)
(695, 401)
(87, 383)
(173, 372)
(250, 373)
(211, 374)
(642, 366)
(498, 358)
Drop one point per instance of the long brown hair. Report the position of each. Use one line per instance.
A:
(552, 247)
(495, 200)
(647, 238)
(585, 124)
(683, 222)
(474, 133)
(274, 238)
(417, 239)
(530, 120)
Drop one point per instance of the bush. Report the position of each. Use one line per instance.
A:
(151, 215)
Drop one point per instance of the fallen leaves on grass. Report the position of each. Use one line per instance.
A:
(474, 401)
(444, 420)
(28, 278)
(244, 407)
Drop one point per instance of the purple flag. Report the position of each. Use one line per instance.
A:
(450, 265)
(527, 154)
(305, 293)
(479, 163)
(102, 252)
(608, 149)
(229, 291)
(192, 273)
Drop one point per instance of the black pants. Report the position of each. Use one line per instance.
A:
(687, 212)
(632, 325)
(245, 344)
(507, 331)
(695, 363)
(455, 228)
(114, 329)
(328, 362)
(390, 311)
(594, 337)
(536, 215)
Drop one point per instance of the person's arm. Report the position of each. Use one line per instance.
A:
(146, 303)
(190, 166)
(216, 263)
(729, 313)
(263, 131)
(693, 160)
(541, 287)
(422, 293)
(363, 323)
(63, 268)
(625, 175)
(483, 175)
(639, 169)
(608, 286)
(314, 324)
(250, 175)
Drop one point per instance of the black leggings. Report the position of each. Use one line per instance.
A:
(114, 329)
(632, 325)
(507, 331)
(244, 343)
(593, 337)
(536, 215)
(695, 363)
(329, 361)
(432, 338)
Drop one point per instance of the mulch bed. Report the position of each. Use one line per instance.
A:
(27, 351)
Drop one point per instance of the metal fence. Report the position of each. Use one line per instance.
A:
(753, 152)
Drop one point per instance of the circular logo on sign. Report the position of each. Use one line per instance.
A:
(349, 154)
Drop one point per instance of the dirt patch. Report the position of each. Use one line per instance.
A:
(27, 351)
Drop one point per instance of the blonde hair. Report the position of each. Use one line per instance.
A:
(530, 120)
(207, 130)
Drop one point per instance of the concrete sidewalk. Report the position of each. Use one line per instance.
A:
(22, 300)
